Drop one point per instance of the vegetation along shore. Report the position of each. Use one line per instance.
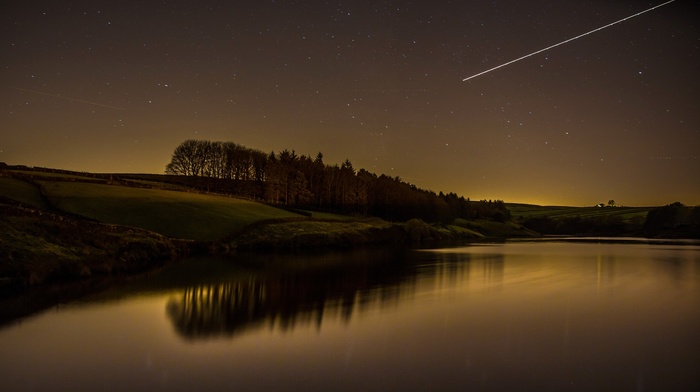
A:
(59, 226)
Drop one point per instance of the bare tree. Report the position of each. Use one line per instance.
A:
(187, 159)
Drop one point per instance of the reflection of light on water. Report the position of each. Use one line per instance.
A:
(525, 316)
(599, 267)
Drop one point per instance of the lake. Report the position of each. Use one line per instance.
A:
(513, 316)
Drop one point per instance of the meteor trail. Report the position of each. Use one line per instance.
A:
(68, 98)
(568, 40)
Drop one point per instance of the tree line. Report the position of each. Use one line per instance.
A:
(300, 181)
(673, 220)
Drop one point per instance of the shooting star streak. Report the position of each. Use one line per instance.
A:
(388, 91)
(520, 140)
(67, 98)
(568, 40)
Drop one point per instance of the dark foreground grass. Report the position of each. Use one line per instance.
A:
(37, 246)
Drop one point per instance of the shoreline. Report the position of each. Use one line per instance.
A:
(40, 247)
(47, 258)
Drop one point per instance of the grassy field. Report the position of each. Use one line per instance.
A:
(21, 191)
(59, 176)
(627, 214)
(174, 214)
(173, 211)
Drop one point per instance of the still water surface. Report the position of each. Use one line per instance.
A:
(545, 316)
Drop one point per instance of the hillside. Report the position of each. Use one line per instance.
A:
(154, 206)
(561, 220)
(627, 214)
(180, 207)
(58, 225)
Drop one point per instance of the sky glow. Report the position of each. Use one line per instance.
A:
(109, 86)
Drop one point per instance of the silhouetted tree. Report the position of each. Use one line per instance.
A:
(301, 181)
(188, 159)
(663, 218)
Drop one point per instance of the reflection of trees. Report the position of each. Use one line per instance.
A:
(679, 269)
(217, 308)
(289, 298)
(494, 267)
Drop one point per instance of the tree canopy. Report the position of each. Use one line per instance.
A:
(301, 181)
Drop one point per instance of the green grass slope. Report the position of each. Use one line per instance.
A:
(21, 192)
(171, 213)
(146, 202)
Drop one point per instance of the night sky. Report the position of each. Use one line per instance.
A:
(108, 86)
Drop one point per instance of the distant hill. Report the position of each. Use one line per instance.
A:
(672, 221)
(627, 214)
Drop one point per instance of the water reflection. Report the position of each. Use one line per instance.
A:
(221, 308)
(494, 266)
(515, 316)
(285, 297)
(288, 297)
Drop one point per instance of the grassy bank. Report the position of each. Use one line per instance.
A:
(316, 233)
(37, 246)
(58, 226)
